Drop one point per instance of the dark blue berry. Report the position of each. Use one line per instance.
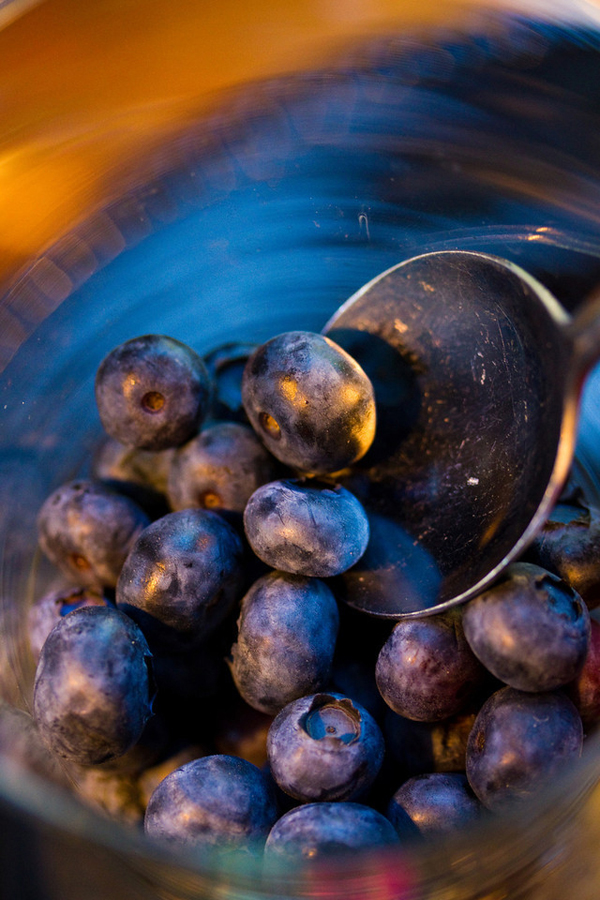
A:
(182, 578)
(152, 392)
(286, 640)
(87, 529)
(569, 545)
(531, 630)
(521, 741)
(216, 801)
(93, 686)
(306, 529)
(426, 670)
(219, 469)
(49, 609)
(324, 747)
(435, 802)
(316, 830)
(310, 402)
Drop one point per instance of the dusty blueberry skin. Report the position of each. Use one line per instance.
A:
(310, 402)
(87, 529)
(152, 392)
(182, 578)
(531, 630)
(569, 545)
(521, 741)
(426, 670)
(93, 688)
(216, 801)
(219, 469)
(584, 690)
(324, 747)
(287, 631)
(44, 614)
(304, 529)
(435, 802)
(315, 830)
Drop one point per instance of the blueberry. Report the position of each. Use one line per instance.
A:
(436, 802)
(286, 640)
(87, 529)
(152, 392)
(310, 402)
(182, 578)
(584, 690)
(306, 529)
(219, 469)
(315, 830)
(521, 741)
(93, 687)
(426, 670)
(324, 747)
(569, 545)
(217, 801)
(531, 630)
(49, 609)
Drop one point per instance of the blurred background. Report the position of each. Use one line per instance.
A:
(84, 85)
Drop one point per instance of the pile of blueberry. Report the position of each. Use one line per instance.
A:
(196, 672)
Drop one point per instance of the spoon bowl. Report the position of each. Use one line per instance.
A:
(477, 371)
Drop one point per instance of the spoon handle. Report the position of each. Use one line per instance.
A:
(584, 332)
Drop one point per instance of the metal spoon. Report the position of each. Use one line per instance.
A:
(477, 372)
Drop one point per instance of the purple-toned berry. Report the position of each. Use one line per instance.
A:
(314, 831)
(152, 392)
(310, 402)
(216, 801)
(219, 469)
(287, 631)
(531, 630)
(584, 690)
(426, 670)
(569, 545)
(182, 578)
(324, 747)
(49, 609)
(87, 529)
(520, 742)
(94, 688)
(436, 803)
(305, 528)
